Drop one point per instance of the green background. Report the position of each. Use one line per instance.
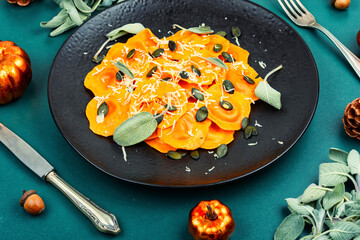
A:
(257, 201)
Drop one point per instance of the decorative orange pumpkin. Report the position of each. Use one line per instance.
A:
(15, 71)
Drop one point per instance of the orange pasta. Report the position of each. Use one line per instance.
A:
(174, 82)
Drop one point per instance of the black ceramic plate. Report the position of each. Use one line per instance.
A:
(267, 37)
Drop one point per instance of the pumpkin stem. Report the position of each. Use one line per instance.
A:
(210, 213)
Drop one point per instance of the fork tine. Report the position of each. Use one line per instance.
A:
(295, 14)
(296, 7)
(286, 11)
(302, 6)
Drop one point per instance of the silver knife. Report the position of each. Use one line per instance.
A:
(103, 220)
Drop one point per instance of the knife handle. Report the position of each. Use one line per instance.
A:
(103, 220)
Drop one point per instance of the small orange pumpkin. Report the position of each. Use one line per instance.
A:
(15, 71)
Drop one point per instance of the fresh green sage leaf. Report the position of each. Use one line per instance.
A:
(344, 230)
(338, 155)
(55, 21)
(332, 198)
(135, 129)
(332, 174)
(290, 228)
(215, 61)
(312, 193)
(133, 28)
(353, 161)
(72, 11)
(202, 29)
(82, 6)
(322, 237)
(268, 94)
(124, 69)
(296, 207)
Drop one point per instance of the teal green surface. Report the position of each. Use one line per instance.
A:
(257, 201)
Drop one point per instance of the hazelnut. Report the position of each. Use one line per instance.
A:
(32, 202)
(340, 4)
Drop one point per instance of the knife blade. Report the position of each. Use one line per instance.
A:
(103, 220)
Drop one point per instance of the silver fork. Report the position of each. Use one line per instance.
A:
(303, 18)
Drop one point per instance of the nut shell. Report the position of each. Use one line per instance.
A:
(340, 4)
(25, 196)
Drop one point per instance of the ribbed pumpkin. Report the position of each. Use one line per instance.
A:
(15, 71)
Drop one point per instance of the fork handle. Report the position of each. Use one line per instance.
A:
(352, 59)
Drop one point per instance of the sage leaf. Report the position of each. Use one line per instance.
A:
(319, 215)
(312, 193)
(290, 228)
(323, 237)
(353, 161)
(215, 61)
(338, 155)
(357, 238)
(201, 30)
(72, 11)
(344, 230)
(133, 28)
(296, 207)
(124, 69)
(332, 174)
(135, 129)
(55, 21)
(332, 198)
(268, 94)
(82, 6)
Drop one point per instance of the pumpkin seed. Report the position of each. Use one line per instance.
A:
(159, 117)
(248, 79)
(226, 105)
(228, 86)
(196, 70)
(217, 47)
(184, 74)
(197, 94)
(158, 52)
(244, 123)
(202, 114)
(221, 33)
(151, 72)
(195, 154)
(166, 79)
(221, 151)
(250, 131)
(119, 75)
(131, 53)
(235, 31)
(227, 57)
(171, 108)
(103, 109)
(174, 155)
(172, 45)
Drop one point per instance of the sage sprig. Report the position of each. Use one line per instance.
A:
(216, 61)
(73, 13)
(132, 28)
(268, 94)
(333, 212)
